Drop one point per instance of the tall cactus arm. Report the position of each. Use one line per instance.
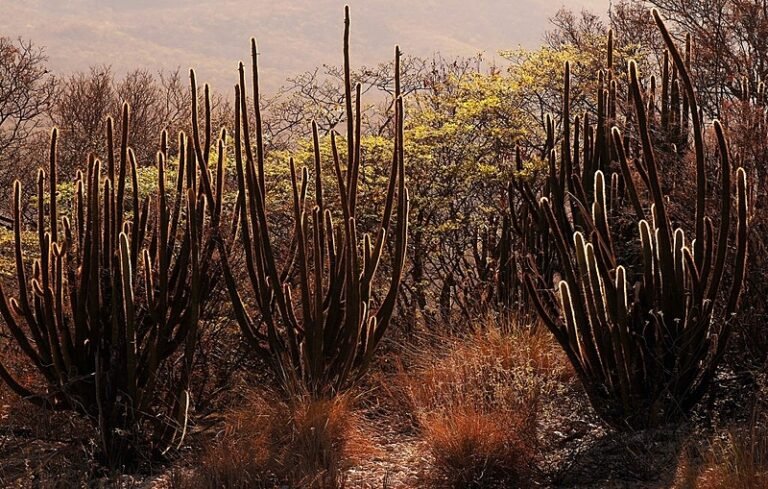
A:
(740, 259)
(126, 276)
(725, 213)
(201, 157)
(626, 174)
(698, 133)
(257, 116)
(662, 223)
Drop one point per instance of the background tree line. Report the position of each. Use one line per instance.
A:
(465, 120)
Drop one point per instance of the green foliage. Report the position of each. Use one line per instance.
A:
(532, 170)
(7, 258)
(146, 177)
(475, 118)
(459, 137)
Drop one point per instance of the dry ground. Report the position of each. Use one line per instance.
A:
(411, 417)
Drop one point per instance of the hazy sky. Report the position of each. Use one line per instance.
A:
(293, 35)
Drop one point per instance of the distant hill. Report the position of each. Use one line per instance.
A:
(294, 35)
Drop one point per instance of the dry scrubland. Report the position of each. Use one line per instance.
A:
(220, 315)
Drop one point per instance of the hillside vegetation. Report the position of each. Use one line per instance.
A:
(549, 274)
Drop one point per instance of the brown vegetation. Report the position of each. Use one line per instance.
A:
(520, 279)
(268, 441)
(477, 402)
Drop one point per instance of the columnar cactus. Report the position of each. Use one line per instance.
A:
(315, 318)
(115, 292)
(645, 344)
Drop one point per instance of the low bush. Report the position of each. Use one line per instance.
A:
(268, 442)
(476, 402)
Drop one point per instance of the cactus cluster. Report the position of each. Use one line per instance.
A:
(644, 342)
(115, 296)
(109, 306)
(315, 319)
(116, 290)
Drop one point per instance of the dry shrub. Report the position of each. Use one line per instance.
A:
(322, 441)
(737, 462)
(268, 442)
(476, 449)
(734, 462)
(737, 459)
(39, 448)
(476, 400)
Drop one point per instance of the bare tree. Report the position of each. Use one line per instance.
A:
(85, 101)
(319, 94)
(27, 90)
(142, 93)
(158, 102)
(730, 45)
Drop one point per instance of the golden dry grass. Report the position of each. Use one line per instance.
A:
(736, 459)
(306, 443)
(476, 400)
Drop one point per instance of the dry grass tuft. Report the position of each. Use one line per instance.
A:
(474, 449)
(268, 442)
(476, 401)
(735, 459)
